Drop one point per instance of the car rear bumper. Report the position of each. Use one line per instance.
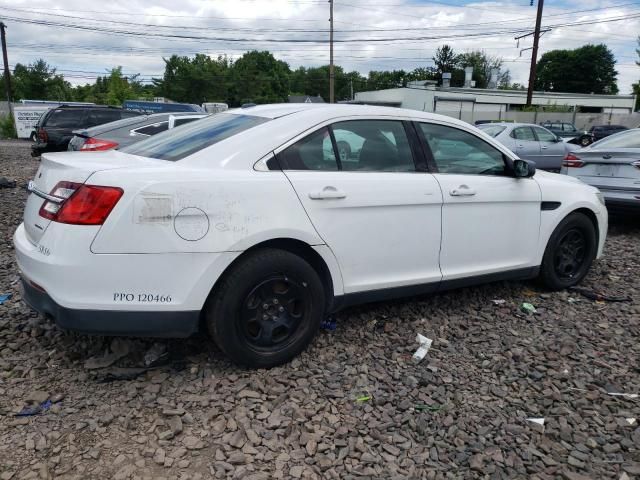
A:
(172, 324)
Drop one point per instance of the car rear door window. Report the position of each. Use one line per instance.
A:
(373, 146)
(460, 152)
(544, 135)
(313, 152)
(523, 133)
(362, 146)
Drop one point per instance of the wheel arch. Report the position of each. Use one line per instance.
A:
(323, 263)
(590, 214)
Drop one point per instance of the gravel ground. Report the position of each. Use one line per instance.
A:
(353, 405)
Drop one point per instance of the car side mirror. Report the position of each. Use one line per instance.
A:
(523, 168)
(558, 139)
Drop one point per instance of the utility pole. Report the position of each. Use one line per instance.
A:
(332, 98)
(534, 53)
(7, 74)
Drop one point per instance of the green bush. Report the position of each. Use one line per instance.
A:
(8, 127)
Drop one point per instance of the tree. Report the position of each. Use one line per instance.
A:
(588, 69)
(39, 81)
(195, 80)
(259, 77)
(446, 61)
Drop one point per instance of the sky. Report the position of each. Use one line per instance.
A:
(370, 34)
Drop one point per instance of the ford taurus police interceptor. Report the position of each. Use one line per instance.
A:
(255, 224)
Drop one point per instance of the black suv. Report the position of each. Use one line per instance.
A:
(598, 132)
(55, 127)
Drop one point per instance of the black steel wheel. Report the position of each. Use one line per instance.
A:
(570, 252)
(266, 309)
(272, 312)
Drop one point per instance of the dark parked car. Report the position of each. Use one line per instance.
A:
(562, 129)
(128, 131)
(55, 127)
(598, 132)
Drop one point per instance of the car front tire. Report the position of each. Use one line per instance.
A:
(570, 252)
(267, 309)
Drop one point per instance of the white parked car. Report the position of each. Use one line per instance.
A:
(251, 224)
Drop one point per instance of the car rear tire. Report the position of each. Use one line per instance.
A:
(267, 309)
(570, 252)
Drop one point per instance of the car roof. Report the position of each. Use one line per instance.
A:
(510, 124)
(330, 110)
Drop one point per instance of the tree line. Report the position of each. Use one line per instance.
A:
(258, 77)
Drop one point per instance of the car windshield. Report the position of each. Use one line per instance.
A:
(626, 139)
(176, 144)
(493, 130)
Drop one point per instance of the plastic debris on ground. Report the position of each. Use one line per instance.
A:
(119, 349)
(328, 323)
(4, 297)
(499, 301)
(158, 351)
(631, 421)
(539, 421)
(35, 409)
(364, 398)
(431, 408)
(424, 346)
(527, 308)
(599, 296)
(625, 395)
(6, 183)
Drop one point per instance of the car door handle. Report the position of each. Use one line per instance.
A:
(520, 146)
(544, 147)
(606, 157)
(462, 191)
(328, 193)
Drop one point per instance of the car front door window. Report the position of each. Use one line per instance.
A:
(459, 152)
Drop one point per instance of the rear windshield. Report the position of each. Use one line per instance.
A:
(626, 139)
(176, 144)
(492, 130)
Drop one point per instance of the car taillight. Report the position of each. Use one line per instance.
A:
(80, 204)
(97, 144)
(571, 161)
(43, 136)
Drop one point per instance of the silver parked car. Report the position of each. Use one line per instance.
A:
(613, 166)
(531, 142)
(127, 131)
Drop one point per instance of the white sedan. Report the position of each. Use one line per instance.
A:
(255, 225)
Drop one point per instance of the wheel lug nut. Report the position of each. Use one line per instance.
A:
(275, 301)
(281, 309)
(265, 317)
(265, 306)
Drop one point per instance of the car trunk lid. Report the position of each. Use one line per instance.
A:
(613, 167)
(68, 167)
